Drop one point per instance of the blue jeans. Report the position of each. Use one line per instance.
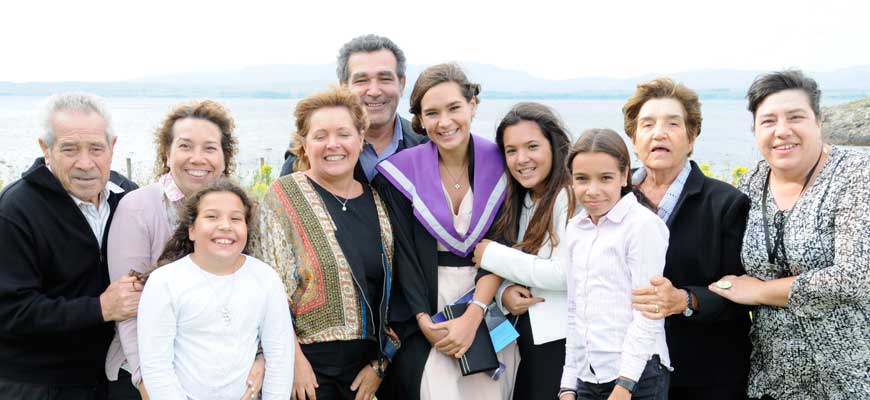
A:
(652, 385)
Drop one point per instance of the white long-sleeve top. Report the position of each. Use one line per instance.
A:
(623, 251)
(541, 272)
(188, 350)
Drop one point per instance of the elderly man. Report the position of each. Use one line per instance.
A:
(373, 68)
(55, 298)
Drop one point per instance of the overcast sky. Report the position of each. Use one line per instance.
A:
(99, 40)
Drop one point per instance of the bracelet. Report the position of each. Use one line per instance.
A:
(378, 367)
(480, 304)
(563, 391)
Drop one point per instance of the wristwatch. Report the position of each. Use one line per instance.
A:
(480, 304)
(688, 311)
(626, 384)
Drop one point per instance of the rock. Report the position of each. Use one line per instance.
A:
(848, 123)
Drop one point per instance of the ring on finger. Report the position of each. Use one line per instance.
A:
(657, 308)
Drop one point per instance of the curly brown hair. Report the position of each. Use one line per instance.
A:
(663, 88)
(333, 97)
(208, 110)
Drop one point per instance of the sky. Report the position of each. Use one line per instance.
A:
(99, 40)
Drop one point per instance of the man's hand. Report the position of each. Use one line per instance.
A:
(517, 299)
(120, 301)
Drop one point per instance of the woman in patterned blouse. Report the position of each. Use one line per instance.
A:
(806, 251)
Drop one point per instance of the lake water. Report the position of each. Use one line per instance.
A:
(264, 127)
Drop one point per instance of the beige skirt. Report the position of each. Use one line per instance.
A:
(442, 378)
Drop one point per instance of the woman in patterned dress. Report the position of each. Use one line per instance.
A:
(806, 251)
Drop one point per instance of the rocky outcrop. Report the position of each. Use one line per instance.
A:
(848, 123)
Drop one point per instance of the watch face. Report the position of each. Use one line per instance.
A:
(688, 312)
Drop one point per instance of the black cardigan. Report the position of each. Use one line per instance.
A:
(706, 234)
(51, 276)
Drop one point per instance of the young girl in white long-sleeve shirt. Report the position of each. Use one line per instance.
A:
(614, 244)
(203, 315)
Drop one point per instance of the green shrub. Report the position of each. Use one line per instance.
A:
(262, 180)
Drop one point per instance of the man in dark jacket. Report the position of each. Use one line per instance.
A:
(55, 298)
(373, 68)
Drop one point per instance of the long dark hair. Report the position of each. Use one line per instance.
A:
(559, 178)
(607, 141)
(180, 245)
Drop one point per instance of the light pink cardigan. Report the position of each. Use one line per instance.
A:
(139, 231)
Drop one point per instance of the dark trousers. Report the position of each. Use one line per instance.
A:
(540, 371)
(123, 388)
(652, 385)
(336, 364)
(723, 392)
(36, 391)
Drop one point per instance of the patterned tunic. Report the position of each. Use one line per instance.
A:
(818, 345)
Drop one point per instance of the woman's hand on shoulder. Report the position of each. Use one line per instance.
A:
(304, 380)
(517, 299)
(460, 332)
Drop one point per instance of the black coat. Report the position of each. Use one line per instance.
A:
(409, 139)
(706, 234)
(52, 273)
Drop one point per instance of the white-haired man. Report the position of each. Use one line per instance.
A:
(55, 297)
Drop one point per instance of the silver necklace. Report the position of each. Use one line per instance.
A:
(343, 203)
(225, 313)
(456, 184)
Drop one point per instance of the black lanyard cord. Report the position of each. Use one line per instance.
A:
(780, 232)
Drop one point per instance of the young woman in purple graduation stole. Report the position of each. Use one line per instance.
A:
(535, 144)
(443, 196)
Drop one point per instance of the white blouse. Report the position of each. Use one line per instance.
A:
(542, 272)
(190, 348)
(623, 251)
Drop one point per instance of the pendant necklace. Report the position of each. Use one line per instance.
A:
(456, 184)
(346, 199)
(224, 310)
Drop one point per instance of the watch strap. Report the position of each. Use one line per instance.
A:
(626, 384)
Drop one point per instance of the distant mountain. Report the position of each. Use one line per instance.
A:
(281, 81)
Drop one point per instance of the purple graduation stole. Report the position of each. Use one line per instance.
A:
(416, 174)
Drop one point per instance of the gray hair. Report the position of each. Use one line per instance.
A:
(367, 44)
(76, 102)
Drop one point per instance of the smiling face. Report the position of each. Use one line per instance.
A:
(661, 140)
(80, 156)
(446, 116)
(195, 155)
(787, 132)
(219, 232)
(372, 77)
(332, 143)
(597, 182)
(528, 154)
